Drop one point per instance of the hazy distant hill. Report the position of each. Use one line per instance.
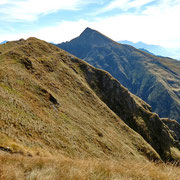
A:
(155, 49)
(3, 42)
(145, 50)
(156, 80)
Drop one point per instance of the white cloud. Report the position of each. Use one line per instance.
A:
(116, 4)
(2, 2)
(124, 5)
(165, 7)
(138, 3)
(29, 10)
(160, 30)
(64, 31)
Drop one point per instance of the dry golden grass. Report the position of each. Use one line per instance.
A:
(80, 125)
(16, 167)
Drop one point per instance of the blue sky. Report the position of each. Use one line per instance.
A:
(150, 21)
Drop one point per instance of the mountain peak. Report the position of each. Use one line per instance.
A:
(94, 37)
(89, 33)
(88, 39)
(88, 29)
(124, 62)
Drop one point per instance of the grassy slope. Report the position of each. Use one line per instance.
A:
(51, 103)
(47, 106)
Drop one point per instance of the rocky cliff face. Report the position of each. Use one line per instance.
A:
(52, 102)
(156, 80)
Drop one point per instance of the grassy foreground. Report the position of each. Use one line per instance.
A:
(18, 167)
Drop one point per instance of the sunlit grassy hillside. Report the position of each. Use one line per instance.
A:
(57, 109)
(48, 107)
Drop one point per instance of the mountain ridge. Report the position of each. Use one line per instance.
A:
(44, 92)
(154, 79)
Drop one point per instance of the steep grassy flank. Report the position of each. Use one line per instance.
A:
(156, 80)
(48, 107)
(54, 103)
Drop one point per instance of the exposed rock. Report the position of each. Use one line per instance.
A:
(6, 149)
(27, 63)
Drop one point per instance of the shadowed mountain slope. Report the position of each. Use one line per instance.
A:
(156, 80)
(54, 103)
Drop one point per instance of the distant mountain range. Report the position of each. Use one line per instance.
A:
(155, 49)
(145, 50)
(156, 80)
(3, 42)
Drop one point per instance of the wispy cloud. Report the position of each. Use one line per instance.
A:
(149, 29)
(169, 7)
(115, 4)
(139, 3)
(29, 10)
(156, 21)
(3, 2)
(123, 5)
